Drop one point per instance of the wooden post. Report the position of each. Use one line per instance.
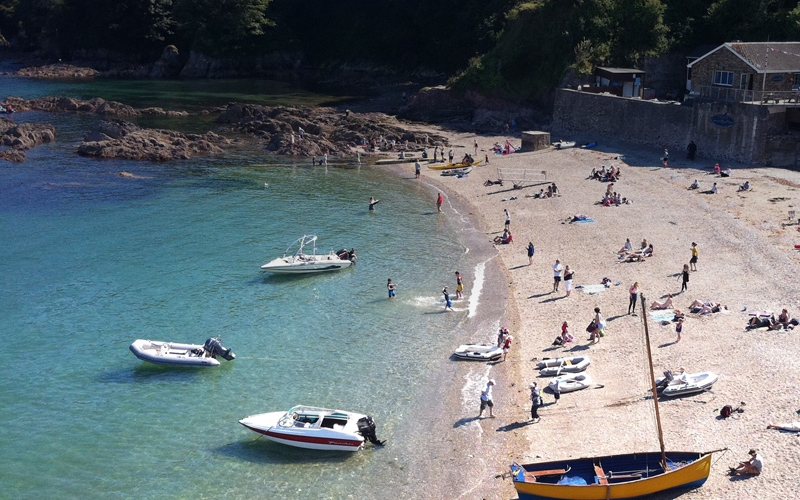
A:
(653, 385)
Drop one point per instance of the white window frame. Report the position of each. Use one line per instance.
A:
(723, 78)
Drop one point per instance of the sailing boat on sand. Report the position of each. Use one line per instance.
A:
(615, 476)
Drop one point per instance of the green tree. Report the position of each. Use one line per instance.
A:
(222, 26)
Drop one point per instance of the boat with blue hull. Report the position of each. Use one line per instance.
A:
(631, 475)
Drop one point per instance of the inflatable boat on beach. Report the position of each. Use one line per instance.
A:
(315, 428)
(571, 382)
(557, 366)
(177, 354)
(685, 384)
(478, 352)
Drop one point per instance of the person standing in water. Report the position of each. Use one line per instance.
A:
(439, 202)
(391, 287)
(448, 304)
(459, 286)
(417, 168)
(372, 203)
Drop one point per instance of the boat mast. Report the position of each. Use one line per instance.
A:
(653, 385)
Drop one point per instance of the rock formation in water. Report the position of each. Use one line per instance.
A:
(325, 130)
(57, 71)
(121, 139)
(22, 136)
(96, 105)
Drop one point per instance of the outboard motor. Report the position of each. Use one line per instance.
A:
(366, 427)
(213, 347)
(668, 377)
(342, 254)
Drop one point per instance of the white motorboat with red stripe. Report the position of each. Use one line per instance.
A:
(315, 428)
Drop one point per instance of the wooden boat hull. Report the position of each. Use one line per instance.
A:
(687, 470)
(450, 166)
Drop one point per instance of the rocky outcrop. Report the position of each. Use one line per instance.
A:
(54, 103)
(168, 66)
(18, 137)
(121, 139)
(57, 71)
(325, 130)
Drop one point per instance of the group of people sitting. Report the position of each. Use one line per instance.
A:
(613, 198)
(783, 322)
(713, 190)
(552, 190)
(505, 239)
(467, 159)
(603, 175)
(6, 109)
(718, 171)
(627, 254)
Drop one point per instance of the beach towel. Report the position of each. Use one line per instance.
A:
(663, 315)
(592, 289)
(584, 220)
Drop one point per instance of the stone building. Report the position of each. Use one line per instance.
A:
(748, 71)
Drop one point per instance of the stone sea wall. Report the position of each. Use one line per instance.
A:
(722, 131)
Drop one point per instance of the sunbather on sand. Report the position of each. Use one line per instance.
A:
(627, 247)
(667, 304)
(706, 307)
(695, 185)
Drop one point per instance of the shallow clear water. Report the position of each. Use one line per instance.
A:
(92, 260)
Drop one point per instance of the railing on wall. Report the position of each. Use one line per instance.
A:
(739, 95)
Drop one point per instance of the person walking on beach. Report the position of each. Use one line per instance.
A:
(693, 261)
(599, 326)
(685, 277)
(459, 286)
(451, 155)
(417, 168)
(448, 304)
(568, 273)
(679, 329)
(530, 250)
(507, 345)
(486, 399)
(634, 291)
(536, 401)
(692, 149)
(476, 147)
(391, 287)
(508, 219)
(439, 202)
(557, 269)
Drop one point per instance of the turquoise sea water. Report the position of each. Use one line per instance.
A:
(92, 260)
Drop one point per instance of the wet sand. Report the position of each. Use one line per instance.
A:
(746, 259)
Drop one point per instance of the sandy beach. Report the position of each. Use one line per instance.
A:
(747, 262)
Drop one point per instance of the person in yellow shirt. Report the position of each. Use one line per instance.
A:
(693, 261)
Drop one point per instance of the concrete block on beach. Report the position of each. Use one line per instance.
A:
(535, 140)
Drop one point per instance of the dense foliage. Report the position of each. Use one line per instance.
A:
(507, 46)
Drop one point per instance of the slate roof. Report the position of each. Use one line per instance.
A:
(764, 57)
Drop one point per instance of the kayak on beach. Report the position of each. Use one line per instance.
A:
(455, 165)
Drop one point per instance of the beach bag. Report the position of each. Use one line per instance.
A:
(591, 327)
(726, 410)
(558, 341)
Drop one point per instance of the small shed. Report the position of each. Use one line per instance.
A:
(624, 82)
(535, 140)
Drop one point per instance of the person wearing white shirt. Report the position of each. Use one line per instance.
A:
(557, 270)
(486, 399)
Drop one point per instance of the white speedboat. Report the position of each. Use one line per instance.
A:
(297, 261)
(687, 383)
(570, 382)
(557, 366)
(315, 428)
(478, 352)
(564, 144)
(176, 354)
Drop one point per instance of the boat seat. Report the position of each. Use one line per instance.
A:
(600, 475)
(625, 476)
